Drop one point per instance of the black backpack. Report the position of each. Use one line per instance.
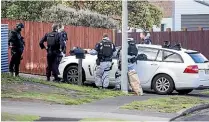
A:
(52, 39)
(132, 49)
(106, 49)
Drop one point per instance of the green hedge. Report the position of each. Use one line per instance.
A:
(70, 16)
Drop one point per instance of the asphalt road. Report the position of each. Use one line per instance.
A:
(63, 112)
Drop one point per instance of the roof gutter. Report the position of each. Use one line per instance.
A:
(204, 2)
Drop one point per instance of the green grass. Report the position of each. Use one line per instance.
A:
(170, 104)
(17, 117)
(56, 98)
(84, 94)
(205, 92)
(101, 119)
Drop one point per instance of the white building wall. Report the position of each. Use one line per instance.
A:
(166, 21)
(187, 7)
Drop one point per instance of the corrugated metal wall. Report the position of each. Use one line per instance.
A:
(187, 7)
(34, 59)
(192, 22)
(4, 48)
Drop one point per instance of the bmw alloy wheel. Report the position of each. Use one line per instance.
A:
(72, 76)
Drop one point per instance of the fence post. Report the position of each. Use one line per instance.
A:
(185, 36)
(201, 45)
(169, 33)
(114, 35)
(183, 29)
(151, 30)
(133, 34)
(200, 28)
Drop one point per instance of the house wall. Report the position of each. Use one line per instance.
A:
(187, 7)
(166, 21)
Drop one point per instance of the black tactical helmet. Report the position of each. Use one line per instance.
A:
(19, 25)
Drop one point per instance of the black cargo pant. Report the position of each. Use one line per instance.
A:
(15, 62)
(52, 66)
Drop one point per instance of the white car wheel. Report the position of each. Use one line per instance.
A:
(71, 75)
(163, 84)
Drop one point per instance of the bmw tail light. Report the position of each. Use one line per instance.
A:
(191, 69)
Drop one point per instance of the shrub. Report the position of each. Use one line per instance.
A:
(70, 16)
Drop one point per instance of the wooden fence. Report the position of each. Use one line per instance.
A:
(195, 40)
(34, 59)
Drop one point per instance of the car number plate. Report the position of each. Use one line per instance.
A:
(207, 72)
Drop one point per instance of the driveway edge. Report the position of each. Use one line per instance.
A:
(191, 110)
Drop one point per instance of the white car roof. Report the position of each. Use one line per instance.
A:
(160, 47)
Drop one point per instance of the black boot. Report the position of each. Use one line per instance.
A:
(99, 87)
(57, 79)
(116, 89)
(16, 74)
(48, 78)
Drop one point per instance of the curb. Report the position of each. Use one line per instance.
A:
(191, 110)
(58, 119)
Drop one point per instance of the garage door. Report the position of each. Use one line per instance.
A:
(192, 22)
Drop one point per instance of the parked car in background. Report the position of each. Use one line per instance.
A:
(161, 69)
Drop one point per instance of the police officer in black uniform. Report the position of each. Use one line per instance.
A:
(104, 50)
(16, 43)
(54, 50)
(64, 38)
(145, 38)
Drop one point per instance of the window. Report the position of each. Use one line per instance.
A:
(162, 27)
(172, 57)
(148, 53)
(198, 57)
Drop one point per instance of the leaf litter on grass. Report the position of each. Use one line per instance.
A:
(32, 88)
(170, 104)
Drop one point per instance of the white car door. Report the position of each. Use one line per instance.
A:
(146, 67)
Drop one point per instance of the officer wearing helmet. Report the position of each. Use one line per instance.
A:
(132, 61)
(132, 53)
(16, 43)
(54, 49)
(104, 50)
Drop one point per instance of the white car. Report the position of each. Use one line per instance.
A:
(162, 70)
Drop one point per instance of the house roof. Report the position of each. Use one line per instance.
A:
(166, 6)
(204, 2)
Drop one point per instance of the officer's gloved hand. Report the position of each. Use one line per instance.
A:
(63, 55)
(85, 51)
